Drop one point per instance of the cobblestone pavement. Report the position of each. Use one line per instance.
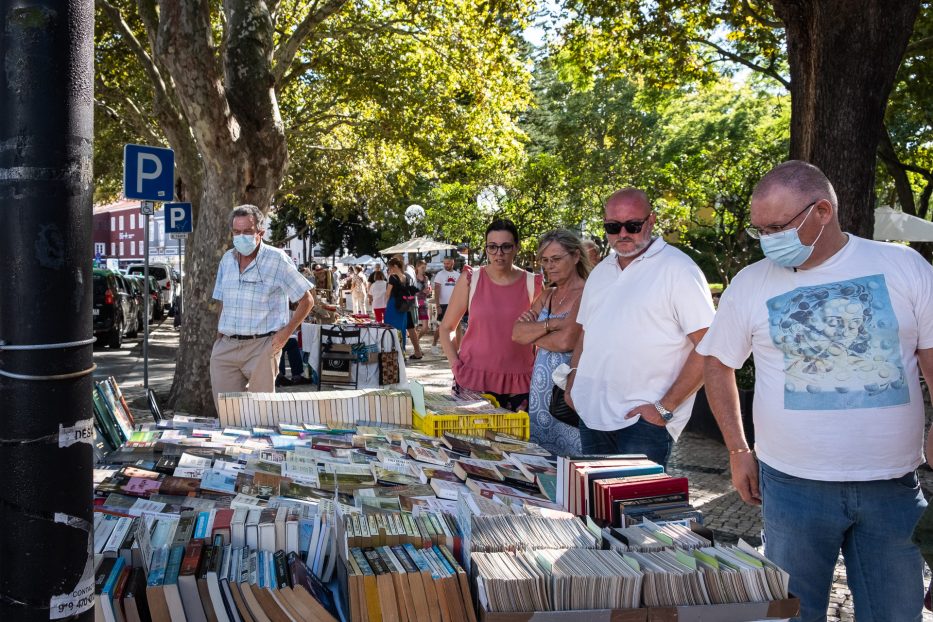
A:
(703, 461)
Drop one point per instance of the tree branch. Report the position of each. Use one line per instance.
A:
(286, 52)
(135, 117)
(750, 11)
(145, 60)
(920, 45)
(767, 71)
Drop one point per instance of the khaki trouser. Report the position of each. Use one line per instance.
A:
(238, 365)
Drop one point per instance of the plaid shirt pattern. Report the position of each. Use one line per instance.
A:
(256, 300)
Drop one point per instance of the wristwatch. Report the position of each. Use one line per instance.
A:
(665, 413)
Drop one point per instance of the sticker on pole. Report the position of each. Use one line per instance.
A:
(81, 432)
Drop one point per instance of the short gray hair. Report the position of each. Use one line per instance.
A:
(799, 177)
(248, 210)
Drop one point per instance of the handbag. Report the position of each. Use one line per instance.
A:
(388, 360)
(560, 410)
(366, 352)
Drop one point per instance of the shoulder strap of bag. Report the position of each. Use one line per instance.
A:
(530, 286)
(474, 279)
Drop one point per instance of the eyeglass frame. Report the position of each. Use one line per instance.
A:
(496, 249)
(549, 261)
(631, 226)
(756, 233)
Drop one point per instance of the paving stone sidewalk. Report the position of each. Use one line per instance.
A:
(703, 461)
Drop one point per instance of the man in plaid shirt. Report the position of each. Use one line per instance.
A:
(255, 284)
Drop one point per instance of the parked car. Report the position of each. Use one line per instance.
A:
(139, 287)
(167, 278)
(114, 309)
(155, 300)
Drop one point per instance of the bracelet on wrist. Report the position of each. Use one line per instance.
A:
(741, 450)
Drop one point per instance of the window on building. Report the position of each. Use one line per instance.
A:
(142, 249)
(132, 221)
(121, 227)
(121, 243)
(113, 249)
(113, 223)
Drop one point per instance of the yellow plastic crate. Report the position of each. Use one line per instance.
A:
(517, 424)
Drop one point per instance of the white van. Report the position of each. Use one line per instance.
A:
(167, 278)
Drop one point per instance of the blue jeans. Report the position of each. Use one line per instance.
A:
(640, 438)
(807, 522)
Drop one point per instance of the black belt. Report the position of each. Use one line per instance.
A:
(242, 337)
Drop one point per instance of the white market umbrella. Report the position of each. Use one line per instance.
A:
(347, 259)
(895, 225)
(417, 245)
(365, 259)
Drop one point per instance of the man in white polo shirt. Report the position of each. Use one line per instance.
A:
(644, 308)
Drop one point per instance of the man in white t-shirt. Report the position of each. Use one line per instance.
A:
(634, 372)
(444, 282)
(838, 326)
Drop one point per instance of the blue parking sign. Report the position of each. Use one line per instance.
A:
(178, 218)
(148, 173)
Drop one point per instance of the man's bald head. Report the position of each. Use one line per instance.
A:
(799, 177)
(631, 196)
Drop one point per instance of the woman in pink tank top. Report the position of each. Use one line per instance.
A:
(495, 296)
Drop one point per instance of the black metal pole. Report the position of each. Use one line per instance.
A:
(46, 360)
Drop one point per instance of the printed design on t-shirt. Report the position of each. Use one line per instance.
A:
(840, 344)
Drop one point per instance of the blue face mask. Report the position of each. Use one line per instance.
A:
(244, 244)
(785, 248)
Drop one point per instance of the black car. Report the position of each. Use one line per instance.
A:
(115, 308)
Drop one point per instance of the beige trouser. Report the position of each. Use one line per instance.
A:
(238, 365)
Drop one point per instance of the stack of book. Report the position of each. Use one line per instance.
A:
(580, 579)
(113, 420)
(621, 490)
(405, 583)
(244, 498)
(385, 406)
(557, 580)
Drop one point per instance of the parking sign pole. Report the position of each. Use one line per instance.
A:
(181, 284)
(146, 207)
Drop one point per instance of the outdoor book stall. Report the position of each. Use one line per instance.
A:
(364, 370)
(375, 504)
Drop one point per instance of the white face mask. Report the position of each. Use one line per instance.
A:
(785, 248)
(245, 244)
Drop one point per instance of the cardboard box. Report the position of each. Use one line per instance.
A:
(586, 615)
(733, 612)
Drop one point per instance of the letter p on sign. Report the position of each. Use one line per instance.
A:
(142, 173)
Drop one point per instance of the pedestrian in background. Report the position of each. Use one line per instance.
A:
(496, 295)
(423, 284)
(551, 325)
(377, 294)
(255, 283)
(443, 287)
(358, 292)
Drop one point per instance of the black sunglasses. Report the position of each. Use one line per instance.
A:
(613, 227)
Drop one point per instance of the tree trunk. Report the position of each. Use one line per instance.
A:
(191, 387)
(844, 55)
(230, 105)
